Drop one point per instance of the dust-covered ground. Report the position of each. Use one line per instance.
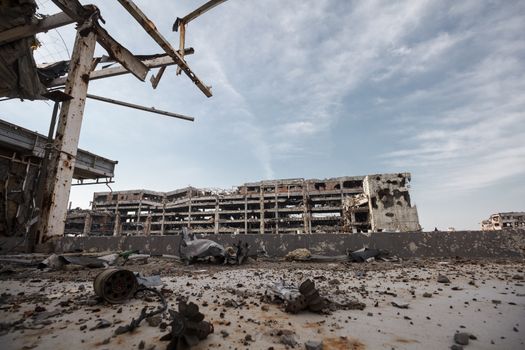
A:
(485, 299)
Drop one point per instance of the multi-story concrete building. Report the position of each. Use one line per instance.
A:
(501, 221)
(345, 204)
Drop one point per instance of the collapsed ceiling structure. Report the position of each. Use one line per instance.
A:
(66, 83)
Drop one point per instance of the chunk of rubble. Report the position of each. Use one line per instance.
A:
(187, 327)
(443, 279)
(306, 297)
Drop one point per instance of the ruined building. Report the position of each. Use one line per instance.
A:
(22, 154)
(502, 221)
(345, 204)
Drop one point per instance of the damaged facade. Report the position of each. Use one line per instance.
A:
(22, 153)
(502, 221)
(375, 203)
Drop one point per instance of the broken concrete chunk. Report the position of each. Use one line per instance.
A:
(461, 338)
(301, 254)
(400, 304)
(443, 279)
(154, 321)
(101, 324)
(313, 345)
(288, 340)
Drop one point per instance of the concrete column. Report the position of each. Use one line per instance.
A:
(117, 228)
(276, 211)
(306, 212)
(138, 213)
(245, 214)
(216, 219)
(88, 220)
(147, 225)
(65, 144)
(163, 217)
(261, 210)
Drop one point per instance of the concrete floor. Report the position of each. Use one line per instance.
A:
(491, 306)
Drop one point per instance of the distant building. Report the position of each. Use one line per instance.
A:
(349, 204)
(502, 221)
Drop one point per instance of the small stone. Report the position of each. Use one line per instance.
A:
(154, 321)
(101, 324)
(142, 345)
(265, 308)
(224, 333)
(399, 304)
(288, 339)
(496, 302)
(313, 345)
(427, 295)
(443, 279)
(106, 341)
(461, 338)
(83, 327)
(248, 337)
(456, 347)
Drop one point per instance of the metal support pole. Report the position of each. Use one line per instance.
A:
(62, 163)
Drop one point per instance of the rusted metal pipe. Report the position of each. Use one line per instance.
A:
(142, 108)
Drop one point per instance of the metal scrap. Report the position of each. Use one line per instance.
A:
(192, 249)
(368, 254)
(296, 299)
(187, 327)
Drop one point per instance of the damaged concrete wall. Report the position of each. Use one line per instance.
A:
(389, 203)
(17, 190)
(470, 244)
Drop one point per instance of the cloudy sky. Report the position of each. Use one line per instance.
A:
(317, 89)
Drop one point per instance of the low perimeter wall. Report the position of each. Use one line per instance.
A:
(469, 244)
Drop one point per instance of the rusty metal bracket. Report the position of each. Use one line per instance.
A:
(150, 28)
(81, 14)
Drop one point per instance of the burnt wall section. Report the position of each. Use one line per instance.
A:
(469, 244)
(390, 206)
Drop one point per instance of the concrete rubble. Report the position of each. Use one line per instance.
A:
(377, 305)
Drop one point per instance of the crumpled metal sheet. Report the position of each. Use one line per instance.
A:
(56, 262)
(364, 254)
